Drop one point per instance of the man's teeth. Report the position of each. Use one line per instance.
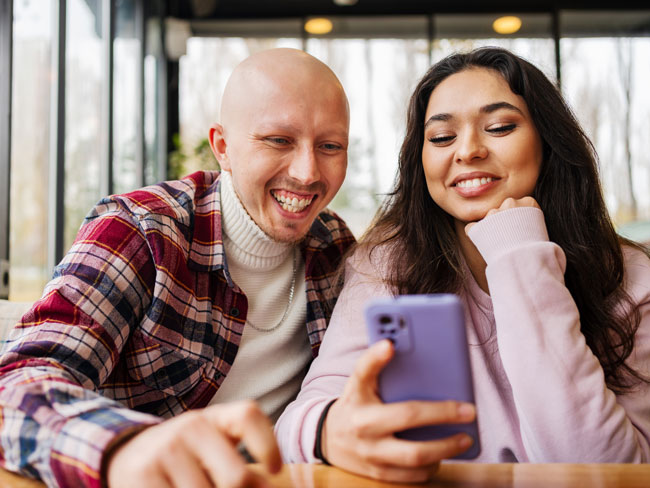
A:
(473, 182)
(292, 204)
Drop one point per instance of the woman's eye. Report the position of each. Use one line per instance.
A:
(502, 129)
(441, 139)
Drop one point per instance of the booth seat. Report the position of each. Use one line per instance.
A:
(10, 314)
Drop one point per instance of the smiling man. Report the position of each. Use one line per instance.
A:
(286, 146)
(203, 299)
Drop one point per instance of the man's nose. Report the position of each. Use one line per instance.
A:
(304, 166)
(470, 147)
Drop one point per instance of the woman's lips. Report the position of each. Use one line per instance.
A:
(474, 186)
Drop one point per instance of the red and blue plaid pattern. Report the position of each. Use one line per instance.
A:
(141, 322)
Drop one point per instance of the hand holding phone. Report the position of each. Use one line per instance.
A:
(431, 360)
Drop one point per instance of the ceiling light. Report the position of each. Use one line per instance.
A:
(506, 25)
(318, 25)
(345, 3)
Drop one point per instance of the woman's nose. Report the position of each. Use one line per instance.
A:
(470, 148)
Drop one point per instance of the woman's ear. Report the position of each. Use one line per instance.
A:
(219, 146)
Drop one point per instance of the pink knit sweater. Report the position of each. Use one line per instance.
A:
(540, 391)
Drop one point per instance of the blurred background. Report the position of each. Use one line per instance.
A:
(104, 96)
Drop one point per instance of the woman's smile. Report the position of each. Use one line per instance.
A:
(480, 144)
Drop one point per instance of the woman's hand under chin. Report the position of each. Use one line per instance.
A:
(505, 205)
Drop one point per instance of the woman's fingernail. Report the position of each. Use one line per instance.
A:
(465, 441)
(466, 410)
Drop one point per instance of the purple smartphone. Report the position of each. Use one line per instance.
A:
(431, 359)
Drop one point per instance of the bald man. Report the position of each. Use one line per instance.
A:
(184, 316)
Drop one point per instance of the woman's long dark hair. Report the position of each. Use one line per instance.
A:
(568, 191)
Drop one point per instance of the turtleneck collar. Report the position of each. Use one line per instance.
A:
(243, 240)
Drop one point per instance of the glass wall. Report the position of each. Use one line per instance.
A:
(126, 103)
(605, 72)
(379, 60)
(605, 76)
(78, 148)
(30, 146)
(533, 40)
(85, 79)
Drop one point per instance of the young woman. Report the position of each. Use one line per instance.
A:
(497, 200)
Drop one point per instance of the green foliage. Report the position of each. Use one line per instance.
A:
(200, 158)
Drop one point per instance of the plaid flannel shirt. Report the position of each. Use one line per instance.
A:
(140, 323)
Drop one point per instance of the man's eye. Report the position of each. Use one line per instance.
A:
(441, 140)
(331, 147)
(502, 128)
(278, 140)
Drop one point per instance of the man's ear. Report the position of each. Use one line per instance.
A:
(218, 146)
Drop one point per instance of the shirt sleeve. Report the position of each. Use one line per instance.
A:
(342, 345)
(566, 412)
(54, 423)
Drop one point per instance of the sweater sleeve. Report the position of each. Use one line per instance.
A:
(342, 345)
(566, 412)
(54, 423)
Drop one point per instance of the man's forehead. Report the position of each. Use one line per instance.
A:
(282, 106)
(333, 126)
(264, 93)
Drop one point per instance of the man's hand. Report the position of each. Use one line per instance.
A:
(506, 204)
(197, 449)
(358, 434)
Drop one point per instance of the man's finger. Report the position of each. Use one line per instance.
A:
(219, 457)
(245, 422)
(154, 479)
(184, 469)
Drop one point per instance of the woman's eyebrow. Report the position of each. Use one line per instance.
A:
(438, 118)
(486, 109)
(493, 107)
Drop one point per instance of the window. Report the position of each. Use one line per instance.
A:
(605, 75)
(30, 147)
(379, 60)
(126, 104)
(85, 133)
(463, 32)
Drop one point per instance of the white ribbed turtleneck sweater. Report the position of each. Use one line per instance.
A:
(269, 366)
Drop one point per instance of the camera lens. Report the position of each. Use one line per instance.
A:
(385, 319)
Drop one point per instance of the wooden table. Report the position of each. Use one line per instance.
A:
(450, 476)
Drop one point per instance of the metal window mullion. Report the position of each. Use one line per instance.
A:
(140, 150)
(556, 40)
(6, 33)
(161, 105)
(108, 29)
(431, 36)
(56, 185)
(6, 47)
